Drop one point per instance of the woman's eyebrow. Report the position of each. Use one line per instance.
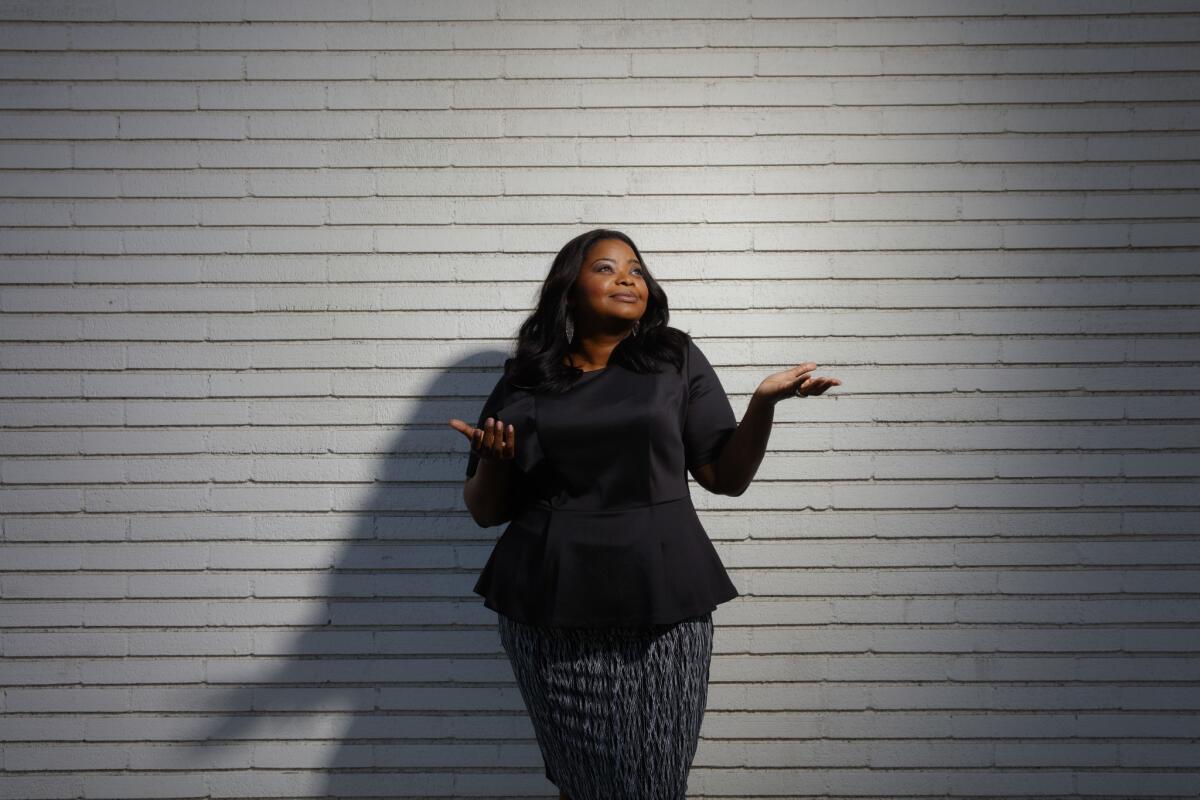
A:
(606, 258)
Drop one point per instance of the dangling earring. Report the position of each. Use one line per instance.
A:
(570, 327)
(636, 324)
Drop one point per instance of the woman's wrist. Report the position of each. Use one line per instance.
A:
(764, 399)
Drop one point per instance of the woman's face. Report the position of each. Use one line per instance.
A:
(610, 269)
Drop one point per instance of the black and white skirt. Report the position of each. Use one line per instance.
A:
(616, 711)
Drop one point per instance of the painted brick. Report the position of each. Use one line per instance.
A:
(257, 252)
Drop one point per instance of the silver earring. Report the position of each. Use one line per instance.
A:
(570, 328)
(636, 325)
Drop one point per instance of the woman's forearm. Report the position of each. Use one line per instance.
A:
(742, 454)
(488, 493)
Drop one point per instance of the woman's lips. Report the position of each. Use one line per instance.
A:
(627, 298)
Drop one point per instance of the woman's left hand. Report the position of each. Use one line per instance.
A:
(794, 382)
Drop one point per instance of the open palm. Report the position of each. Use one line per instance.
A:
(797, 381)
(493, 440)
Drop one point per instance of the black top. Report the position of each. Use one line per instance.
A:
(606, 533)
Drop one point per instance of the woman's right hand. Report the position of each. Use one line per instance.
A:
(492, 441)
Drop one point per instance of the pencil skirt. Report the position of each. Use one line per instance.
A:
(617, 710)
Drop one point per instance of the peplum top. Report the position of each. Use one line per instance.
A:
(605, 533)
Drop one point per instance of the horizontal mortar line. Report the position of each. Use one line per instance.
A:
(419, 453)
(1016, 103)
(1100, 279)
(1163, 599)
(213, 199)
(477, 684)
(839, 654)
(373, 542)
(1176, 333)
(389, 227)
(359, 543)
(760, 166)
(484, 711)
(200, 200)
(392, 544)
(1006, 134)
(952, 280)
(453, 769)
(490, 629)
(438, 600)
(584, 49)
(576, 79)
(1116, 192)
(323, 571)
(418, 370)
(421, 600)
(716, 250)
(947, 337)
(461, 740)
(481, 254)
(1123, 106)
(863, 20)
(271, 661)
(813, 654)
(507, 712)
(780, 109)
(15, 484)
(84, 281)
(624, 49)
(437, 426)
(321, 627)
(241, 111)
(1123, 102)
(506, 770)
(1066, 194)
(231, 598)
(1074, 599)
(892, 135)
(392, 226)
(939, 481)
(1066, 393)
(234, 20)
(429, 600)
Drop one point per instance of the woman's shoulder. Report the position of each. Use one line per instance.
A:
(509, 382)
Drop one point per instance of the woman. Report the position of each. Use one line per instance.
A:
(604, 580)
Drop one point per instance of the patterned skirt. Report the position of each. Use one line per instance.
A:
(616, 711)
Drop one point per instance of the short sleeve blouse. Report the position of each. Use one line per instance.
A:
(605, 533)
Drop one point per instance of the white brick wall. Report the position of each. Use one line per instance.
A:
(257, 252)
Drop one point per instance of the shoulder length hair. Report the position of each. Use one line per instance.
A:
(542, 346)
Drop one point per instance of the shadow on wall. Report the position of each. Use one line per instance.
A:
(400, 685)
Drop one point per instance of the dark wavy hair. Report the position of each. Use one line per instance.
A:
(537, 364)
